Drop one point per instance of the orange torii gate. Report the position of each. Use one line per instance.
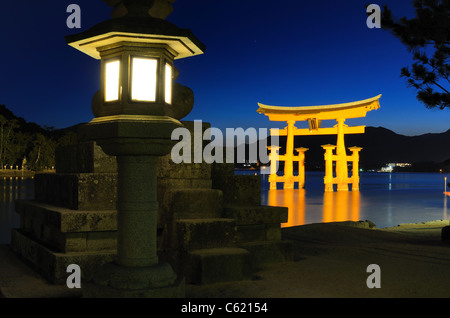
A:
(315, 115)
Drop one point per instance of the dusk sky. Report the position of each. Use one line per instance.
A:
(284, 53)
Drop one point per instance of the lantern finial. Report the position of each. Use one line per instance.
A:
(159, 9)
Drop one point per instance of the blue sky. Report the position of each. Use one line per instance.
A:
(290, 53)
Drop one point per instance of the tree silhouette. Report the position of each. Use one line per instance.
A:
(6, 134)
(22, 141)
(427, 37)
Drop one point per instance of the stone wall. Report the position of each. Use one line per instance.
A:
(73, 218)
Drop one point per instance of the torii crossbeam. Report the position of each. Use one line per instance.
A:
(315, 115)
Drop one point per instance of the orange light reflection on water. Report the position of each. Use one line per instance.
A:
(337, 206)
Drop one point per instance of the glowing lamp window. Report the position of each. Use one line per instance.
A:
(143, 81)
(168, 87)
(112, 74)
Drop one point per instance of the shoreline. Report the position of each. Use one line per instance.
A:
(17, 173)
(330, 261)
(21, 174)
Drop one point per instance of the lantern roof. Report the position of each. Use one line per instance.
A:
(144, 29)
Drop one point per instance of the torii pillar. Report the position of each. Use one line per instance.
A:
(341, 154)
(273, 157)
(301, 166)
(289, 156)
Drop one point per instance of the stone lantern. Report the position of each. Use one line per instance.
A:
(134, 118)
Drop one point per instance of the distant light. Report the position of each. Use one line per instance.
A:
(143, 81)
(112, 74)
(168, 87)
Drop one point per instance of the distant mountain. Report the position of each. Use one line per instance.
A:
(23, 125)
(33, 128)
(380, 146)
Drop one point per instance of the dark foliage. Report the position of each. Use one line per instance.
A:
(427, 37)
(27, 144)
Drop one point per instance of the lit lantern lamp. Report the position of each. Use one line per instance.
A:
(136, 64)
(134, 119)
(136, 80)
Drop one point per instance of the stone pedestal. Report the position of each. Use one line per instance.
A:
(117, 281)
(136, 272)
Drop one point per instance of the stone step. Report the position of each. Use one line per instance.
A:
(167, 169)
(257, 223)
(239, 189)
(53, 265)
(168, 185)
(66, 230)
(78, 191)
(84, 157)
(268, 252)
(165, 184)
(258, 233)
(262, 214)
(193, 234)
(209, 266)
(222, 169)
(170, 170)
(191, 204)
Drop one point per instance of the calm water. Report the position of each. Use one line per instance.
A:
(385, 199)
(12, 189)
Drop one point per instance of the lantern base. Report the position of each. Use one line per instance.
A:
(115, 281)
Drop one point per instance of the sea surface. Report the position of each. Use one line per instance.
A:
(12, 189)
(387, 199)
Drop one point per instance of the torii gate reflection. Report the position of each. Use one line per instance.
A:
(315, 115)
(337, 206)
